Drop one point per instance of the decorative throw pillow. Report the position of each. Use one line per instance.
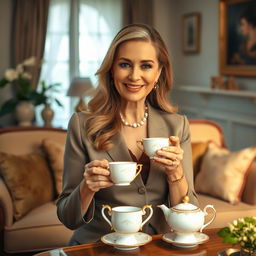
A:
(55, 153)
(28, 179)
(198, 150)
(223, 173)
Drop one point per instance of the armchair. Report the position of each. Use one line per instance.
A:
(39, 228)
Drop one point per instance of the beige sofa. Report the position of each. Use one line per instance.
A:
(40, 229)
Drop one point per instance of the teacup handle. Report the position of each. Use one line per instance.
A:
(105, 206)
(144, 212)
(140, 145)
(139, 166)
(206, 213)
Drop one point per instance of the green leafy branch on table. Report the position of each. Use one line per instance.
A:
(241, 231)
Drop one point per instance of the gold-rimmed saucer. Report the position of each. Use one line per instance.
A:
(120, 242)
(200, 238)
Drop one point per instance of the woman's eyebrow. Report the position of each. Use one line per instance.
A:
(126, 59)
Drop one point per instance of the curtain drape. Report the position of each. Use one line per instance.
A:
(29, 32)
(138, 11)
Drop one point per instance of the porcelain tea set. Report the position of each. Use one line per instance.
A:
(186, 221)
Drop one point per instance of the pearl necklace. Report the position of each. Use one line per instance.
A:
(135, 125)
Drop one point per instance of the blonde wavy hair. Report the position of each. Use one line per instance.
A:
(104, 121)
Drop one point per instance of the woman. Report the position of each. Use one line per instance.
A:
(131, 103)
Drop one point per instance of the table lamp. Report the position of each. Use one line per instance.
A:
(80, 87)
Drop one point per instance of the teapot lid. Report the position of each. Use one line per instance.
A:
(185, 206)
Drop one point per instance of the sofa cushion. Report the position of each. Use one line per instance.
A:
(198, 150)
(223, 173)
(28, 179)
(41, 226)
(225, 212)
(55, 153)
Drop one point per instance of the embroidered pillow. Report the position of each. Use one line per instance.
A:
(28, 179)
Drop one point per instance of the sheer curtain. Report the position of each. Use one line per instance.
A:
(78, 35)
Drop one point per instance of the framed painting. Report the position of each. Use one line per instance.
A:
(191, 32)
(237, 51)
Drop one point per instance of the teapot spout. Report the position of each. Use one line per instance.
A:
(165, 210)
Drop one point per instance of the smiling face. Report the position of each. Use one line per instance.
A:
(135, 70)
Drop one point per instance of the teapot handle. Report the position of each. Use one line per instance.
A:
(109, 212)
(206, 213)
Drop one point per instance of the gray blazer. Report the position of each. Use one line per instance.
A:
(79, 151)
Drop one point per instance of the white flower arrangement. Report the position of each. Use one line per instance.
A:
(241, 231)
(19, 72)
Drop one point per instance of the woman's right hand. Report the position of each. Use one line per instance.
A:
(96, 175)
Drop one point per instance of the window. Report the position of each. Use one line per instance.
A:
(78, 35)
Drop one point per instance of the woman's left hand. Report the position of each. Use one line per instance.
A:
(170, 157)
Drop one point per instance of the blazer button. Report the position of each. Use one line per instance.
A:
(142, 190)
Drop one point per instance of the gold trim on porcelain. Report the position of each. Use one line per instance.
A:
(186, 211)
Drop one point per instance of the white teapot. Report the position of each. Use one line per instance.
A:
(185, 219)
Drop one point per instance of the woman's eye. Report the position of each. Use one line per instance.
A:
(124, 65)
(146, 66)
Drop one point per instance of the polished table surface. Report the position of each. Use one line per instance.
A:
(157, 247)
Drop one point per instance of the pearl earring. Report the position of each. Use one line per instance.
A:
(156, 84)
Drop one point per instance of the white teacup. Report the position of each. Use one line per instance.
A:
(123, 173)
(126, 219)
(151, 145)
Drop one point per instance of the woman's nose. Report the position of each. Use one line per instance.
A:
(135, 74)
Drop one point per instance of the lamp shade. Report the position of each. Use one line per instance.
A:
(80, 87)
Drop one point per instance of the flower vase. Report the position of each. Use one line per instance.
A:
(47, 115)
(24, 113)
(247, 252)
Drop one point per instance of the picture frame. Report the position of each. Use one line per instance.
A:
(235, 56)
(191, 32)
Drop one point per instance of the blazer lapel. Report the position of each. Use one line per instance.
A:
(120, 151)
(156, 125)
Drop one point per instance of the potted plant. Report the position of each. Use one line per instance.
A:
(241, 231)
(25, 96)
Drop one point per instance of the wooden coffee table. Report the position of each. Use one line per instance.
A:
(154, 248)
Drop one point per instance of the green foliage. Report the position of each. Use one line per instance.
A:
(242, 231)
(46, 94)
(8, 107)
(3, 82)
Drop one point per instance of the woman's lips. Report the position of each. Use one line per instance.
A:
(133, 87)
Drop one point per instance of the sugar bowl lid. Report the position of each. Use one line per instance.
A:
(185, 206)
